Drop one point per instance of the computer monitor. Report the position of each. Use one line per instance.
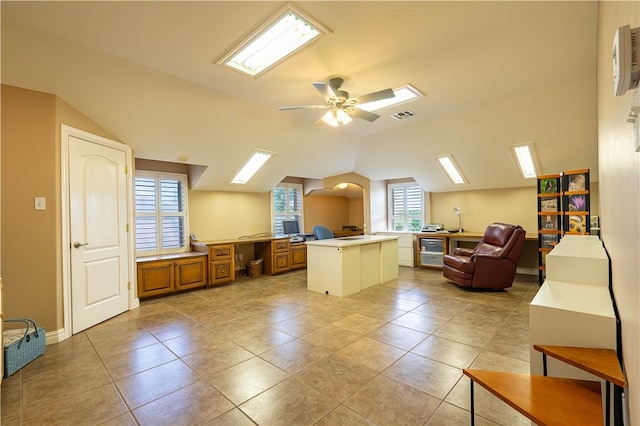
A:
(290, 227)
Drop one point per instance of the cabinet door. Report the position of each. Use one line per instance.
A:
(298, 256)
(281, 262)
(190, 273)
(155, 278)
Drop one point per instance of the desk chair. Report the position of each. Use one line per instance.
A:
(322, 232)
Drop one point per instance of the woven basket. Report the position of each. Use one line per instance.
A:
(22, 346)
(254, 268)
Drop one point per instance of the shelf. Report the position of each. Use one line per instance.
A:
(544, 400)
(602, 363)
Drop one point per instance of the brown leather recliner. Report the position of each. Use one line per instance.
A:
(492, 263)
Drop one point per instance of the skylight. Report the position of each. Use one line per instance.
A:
(251, 167)
(403, 94)
(525, 158)
(282, 35)
(449, 166)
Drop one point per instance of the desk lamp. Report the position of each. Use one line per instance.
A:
(457, 211)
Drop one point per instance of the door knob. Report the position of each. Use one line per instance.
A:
(78, 245)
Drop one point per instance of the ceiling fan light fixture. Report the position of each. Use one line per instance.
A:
(336, 117)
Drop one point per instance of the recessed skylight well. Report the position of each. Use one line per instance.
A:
(451, 169)
(524, 155)
(402, 95)
(283, 34)
(251, 167)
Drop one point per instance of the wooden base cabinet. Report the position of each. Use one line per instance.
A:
(160, 275)
(298, 256)
(221, 263)
(277, 251)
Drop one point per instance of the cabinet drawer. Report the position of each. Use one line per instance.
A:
(220, 252)
(431, 259)
(220, 272)
(432, 245)
(280, 246)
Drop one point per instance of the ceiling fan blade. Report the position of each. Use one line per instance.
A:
(285, 108)
(360, 113)
(325, 90)
(375, 96)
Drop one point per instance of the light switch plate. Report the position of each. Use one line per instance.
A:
(40, 203)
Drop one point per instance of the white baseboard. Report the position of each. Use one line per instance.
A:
(55, 336)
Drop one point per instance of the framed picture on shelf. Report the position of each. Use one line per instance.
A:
(549, 204)
(577, 224)
(548, 186)
(576, 203)
(576, 182)
(549, 222)
(549, 240)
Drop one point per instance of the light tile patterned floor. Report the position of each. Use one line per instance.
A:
(266, 351)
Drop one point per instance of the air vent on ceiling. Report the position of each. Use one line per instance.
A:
(402, 115)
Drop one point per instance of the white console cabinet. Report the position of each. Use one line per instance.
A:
(405, 246)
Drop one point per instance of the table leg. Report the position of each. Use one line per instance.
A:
(473, 417)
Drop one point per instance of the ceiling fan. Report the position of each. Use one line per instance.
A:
(341, 107)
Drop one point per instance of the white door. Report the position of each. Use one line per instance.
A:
(98, 232)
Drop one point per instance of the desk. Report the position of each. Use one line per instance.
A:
(429, 253)
(275, 252)
(344, 266)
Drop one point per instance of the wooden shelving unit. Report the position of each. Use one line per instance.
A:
(576, 202)
(550, 219)
(564, 207)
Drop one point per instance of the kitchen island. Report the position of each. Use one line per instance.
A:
(345, 266)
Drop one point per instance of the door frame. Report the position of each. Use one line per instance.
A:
(66, 132)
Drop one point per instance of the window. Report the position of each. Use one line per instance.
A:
(161, 204)
(286, 200)
(405, 207)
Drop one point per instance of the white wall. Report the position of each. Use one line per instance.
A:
(619, 172)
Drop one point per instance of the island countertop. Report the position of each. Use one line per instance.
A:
(352, 241)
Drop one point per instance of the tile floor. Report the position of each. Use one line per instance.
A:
(266, 351)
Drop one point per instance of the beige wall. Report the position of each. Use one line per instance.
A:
(31, 240)
(619, 166)
(223, 215)
(482, 207)
(356, 212)
(332, 212)
(29, 247)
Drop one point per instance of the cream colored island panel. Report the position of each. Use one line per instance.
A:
(344, 266)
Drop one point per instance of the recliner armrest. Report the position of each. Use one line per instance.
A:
(462, 251)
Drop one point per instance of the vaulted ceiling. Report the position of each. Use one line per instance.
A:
(494, 74)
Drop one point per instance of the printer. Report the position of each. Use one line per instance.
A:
(432, 227)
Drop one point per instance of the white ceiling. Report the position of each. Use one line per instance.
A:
(494, 74)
